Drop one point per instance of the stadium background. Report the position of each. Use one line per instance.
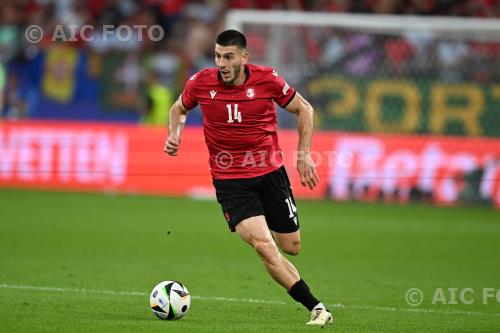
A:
(435, 96)
(406, 120)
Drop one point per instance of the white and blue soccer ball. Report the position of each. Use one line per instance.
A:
(170, 300)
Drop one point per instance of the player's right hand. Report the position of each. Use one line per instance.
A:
(171, 145)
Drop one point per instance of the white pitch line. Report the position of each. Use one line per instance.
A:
(136, 293)
(417, 310)
(239, 300)
(250, 300)
(76, 290)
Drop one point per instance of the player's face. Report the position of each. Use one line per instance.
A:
(230, 61)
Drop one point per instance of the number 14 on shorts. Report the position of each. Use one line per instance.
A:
(292, 209)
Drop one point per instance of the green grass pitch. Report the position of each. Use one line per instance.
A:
(86, 263)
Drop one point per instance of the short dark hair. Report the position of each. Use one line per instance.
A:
(232, 37)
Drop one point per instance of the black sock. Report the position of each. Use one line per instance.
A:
(301, 293)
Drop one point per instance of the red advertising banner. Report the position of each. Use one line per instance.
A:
(100, 157)
(130, 159)
(440, 169)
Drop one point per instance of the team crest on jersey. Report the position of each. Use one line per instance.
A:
(250, 92)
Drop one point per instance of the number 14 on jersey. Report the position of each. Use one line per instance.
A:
(233, 114)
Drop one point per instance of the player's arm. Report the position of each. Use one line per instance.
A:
(305, 165)
(177, 120)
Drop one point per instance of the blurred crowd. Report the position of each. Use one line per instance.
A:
(470, 8)
(153, 72)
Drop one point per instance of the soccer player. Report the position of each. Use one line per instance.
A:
(251, 184)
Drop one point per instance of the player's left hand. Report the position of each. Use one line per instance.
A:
(171, 146)
(307, 171)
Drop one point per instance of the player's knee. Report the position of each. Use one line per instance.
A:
(292, 249)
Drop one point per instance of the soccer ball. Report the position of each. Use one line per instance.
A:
(170, 300)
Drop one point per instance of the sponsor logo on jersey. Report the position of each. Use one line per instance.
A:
(250, 92)
(213, 93)
(285, 88)
(275, 73)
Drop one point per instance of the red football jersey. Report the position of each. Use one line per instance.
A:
(240, 122)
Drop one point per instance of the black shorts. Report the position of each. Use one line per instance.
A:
(269, 195)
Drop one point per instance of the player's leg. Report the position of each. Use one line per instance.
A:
(254, 231)
(244, 213)
(300, 292)
(289, 245)
(288, 242)
(281, 214)
(243, 209)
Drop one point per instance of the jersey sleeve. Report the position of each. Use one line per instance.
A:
(283, 93)
(188, 96)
